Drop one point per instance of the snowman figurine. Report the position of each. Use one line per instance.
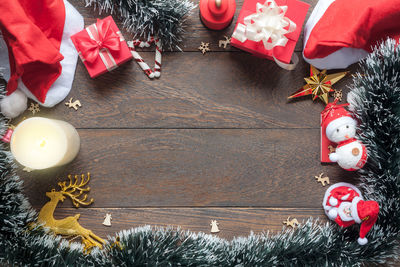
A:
(344, 204)
(340, 128)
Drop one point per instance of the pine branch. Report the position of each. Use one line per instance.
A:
(163, 19)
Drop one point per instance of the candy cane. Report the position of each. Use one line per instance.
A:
(140, 60)
(157, 63)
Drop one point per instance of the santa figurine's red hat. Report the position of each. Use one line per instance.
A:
(344, 204)
(37, 57)
(366, 213)
(334, 116)
(341, 32)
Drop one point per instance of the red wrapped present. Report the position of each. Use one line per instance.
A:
(101, 47)
(270, 29)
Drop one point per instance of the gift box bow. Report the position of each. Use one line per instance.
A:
(101, 41)
(268, 25)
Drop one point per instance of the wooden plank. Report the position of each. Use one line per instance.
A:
(195, 31)
(222, 90)
(194, 168)
(233, 222)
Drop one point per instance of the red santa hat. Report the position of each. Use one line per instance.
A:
(341, 32)
(334, 116)
(366, 213)
(40, 59)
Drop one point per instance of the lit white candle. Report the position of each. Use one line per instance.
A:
(40, 143)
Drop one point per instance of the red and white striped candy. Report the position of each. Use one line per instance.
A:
(145, 67)
(157, 63)
(140, 60)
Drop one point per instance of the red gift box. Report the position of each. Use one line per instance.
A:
(101, 47)
(296, 12)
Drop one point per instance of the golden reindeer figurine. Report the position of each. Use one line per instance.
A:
(69, 226)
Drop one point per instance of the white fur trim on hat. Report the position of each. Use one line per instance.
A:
(332, 214)
(345, 197)
(333, 201)
(362, 241)
(339, 59)
(354, 211)
(333, 125)
(13, 105)
(328, 192)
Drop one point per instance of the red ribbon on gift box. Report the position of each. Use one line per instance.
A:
(101, 41)
(269, 26)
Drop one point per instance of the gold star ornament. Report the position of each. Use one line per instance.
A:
(319, 84)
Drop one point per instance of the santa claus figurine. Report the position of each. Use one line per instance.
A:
(344, 204)
(340, 127)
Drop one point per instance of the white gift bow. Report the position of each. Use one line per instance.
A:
(268, 25)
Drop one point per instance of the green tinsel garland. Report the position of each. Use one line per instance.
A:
(150, 18)
(376, 101)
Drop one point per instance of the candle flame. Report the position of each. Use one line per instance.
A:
(43, 143)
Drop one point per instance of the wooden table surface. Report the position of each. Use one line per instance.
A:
(213, 139)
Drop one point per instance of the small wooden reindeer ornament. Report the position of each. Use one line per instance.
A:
(69, 227)
(292, 223)
(75, 105)
(323, 180)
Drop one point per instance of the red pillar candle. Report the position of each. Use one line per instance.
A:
(217, 14)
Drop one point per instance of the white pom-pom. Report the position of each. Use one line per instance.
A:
(334, 157)
(13, 105)
(332, 214)
(362, 241)
(333, 201)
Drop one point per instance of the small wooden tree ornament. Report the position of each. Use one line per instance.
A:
(214, 227)
(107, 220)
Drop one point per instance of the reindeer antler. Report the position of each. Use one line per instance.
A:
(75, 190)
